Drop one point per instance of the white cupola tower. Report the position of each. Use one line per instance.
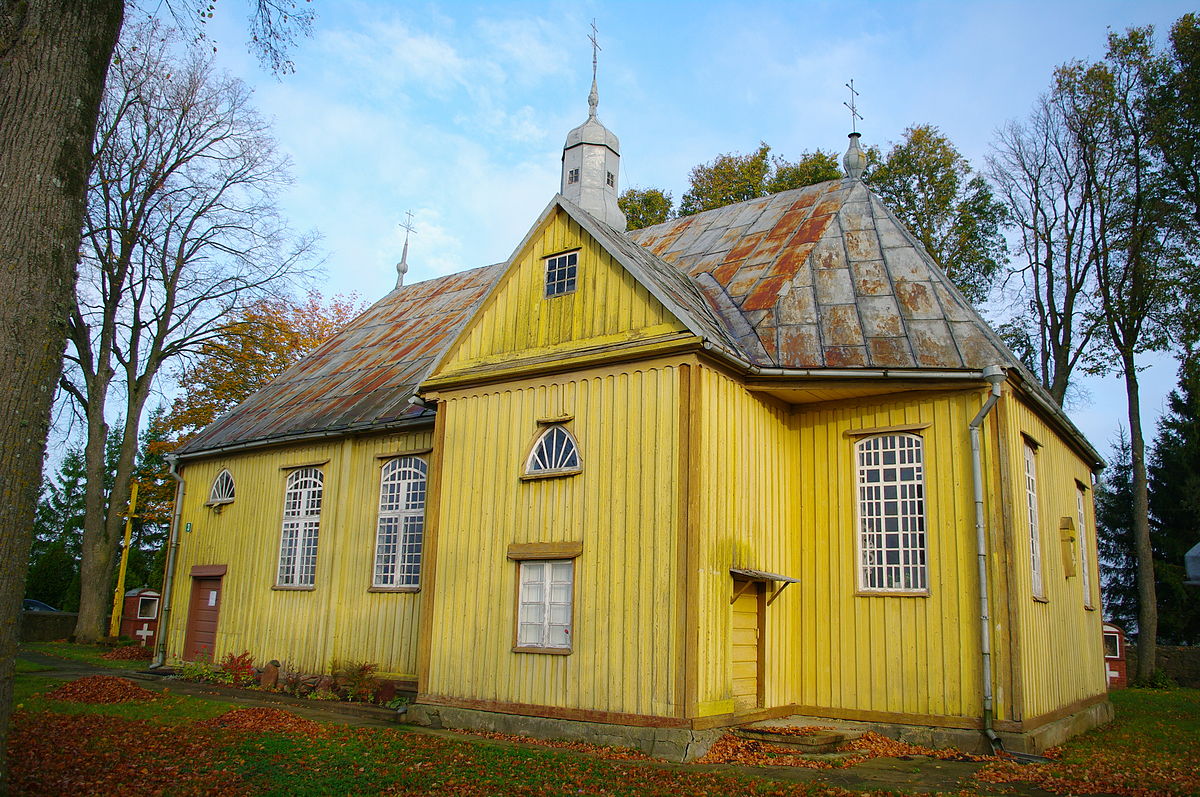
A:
(591, 163)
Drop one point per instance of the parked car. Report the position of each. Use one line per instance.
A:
(34, 605)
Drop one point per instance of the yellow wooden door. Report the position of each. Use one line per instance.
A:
(745, 650)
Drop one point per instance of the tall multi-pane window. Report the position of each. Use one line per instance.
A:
(401, 523)
(544, 619)
(560, 273)
(1085, 574)
(301, 522)
(1035, 534)
(891, 513)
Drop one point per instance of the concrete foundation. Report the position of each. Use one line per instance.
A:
(672, 744)
(682, 744)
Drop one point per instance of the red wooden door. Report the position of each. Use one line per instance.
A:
(203, 610)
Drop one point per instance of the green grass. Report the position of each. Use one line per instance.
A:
(29, 694)
(89, 654)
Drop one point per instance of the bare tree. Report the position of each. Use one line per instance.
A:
(1037, 168)
(182, 230)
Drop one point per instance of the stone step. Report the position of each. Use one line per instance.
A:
(818, 741)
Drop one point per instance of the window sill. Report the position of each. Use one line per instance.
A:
(1040, 599)
(892, 593)
(550, 474)
(394, 589)
(551, 651)
(294, 588)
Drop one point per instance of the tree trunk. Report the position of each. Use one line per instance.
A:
(54, 57)
(1147, 601)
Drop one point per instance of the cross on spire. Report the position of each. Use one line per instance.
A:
(594, 95)
(855, 116)
(402, 266)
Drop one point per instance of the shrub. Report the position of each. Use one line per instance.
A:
(357, 679)
(201, 670)
(238, 669)
(291, 680)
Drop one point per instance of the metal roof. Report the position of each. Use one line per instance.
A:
(826, 277)
(363, 376)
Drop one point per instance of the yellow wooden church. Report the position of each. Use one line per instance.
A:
(761, 461)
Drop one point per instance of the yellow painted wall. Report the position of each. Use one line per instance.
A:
(779, 494)
(339, 619)
(1059, 641)
(623, 507)
(608, 306)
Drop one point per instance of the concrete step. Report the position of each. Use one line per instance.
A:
(811, 742)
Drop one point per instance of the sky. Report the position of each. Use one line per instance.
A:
(457, 111)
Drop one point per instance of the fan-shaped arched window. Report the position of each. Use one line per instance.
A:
(401, 526)
(555, 451)
(891, 513)
(222, 490)
(301, 522)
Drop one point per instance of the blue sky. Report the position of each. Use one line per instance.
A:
(457, 111)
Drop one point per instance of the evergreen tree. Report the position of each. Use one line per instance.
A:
(1114, 538)
(57, 531)
(1174, 474)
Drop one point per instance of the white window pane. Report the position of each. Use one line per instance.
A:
(559, 637)
(561, 571)
(530, 635)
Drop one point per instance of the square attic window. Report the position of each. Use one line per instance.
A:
(560, 273)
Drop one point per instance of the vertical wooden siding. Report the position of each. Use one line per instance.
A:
(608, 305)
(1059, 641)
(781, 496)
(339, 619)
(748, 461)
(623, 507)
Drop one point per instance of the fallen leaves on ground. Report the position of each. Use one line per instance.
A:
(101, 689)
(731, 749)
(791, 730)
(259, 720)
(97, 754)
(610, 753)
(128, 653)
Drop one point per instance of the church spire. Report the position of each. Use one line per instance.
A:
(855, 160)
(591, 160)
(402, 266)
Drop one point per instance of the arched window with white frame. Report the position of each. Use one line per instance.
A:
(222, 489)
(555, 451)
(891, 514)
(401, 528)
(301, 524)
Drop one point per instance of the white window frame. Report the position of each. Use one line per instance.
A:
(301, 529)
(545, 606)
(1037, 578)
(223, 489)
(400, 529)
(562, 274)
(141, 613)
(555, 452)
(891, 560)
(1084, 572)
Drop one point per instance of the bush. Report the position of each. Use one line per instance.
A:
(357, 678)
(239, 669)
(201, 670)
(1160, 680)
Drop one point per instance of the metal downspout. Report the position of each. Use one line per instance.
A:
(160, 644)
(995, 375)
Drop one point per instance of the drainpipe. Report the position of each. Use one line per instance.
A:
(160, 645)
(995, 375)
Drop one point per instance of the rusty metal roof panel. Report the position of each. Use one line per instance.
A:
(364, 374)
(826, 276)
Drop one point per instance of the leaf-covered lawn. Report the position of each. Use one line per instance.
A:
(1151, 748)
(90, 654)
(183, 745)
